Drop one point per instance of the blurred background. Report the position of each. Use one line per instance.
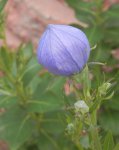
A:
(26, 20)
(99, 19)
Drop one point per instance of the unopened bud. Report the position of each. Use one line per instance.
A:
(103, 88)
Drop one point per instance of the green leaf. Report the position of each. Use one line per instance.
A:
(108, 142)
(48, 95)
(86, 81)
(42, 86)
(83, 10)
(2, 4)
(51, 118)
(95, 105)
(51, 84)
(109, 96)
(27, 51)
(110, 121)
(116, 147)
(24, 57)
(57, 84)
(47, 142)
(30, 72)
(46, 102)
(112, 15)
(94, 35)
(6, 63)
(5, 59)
(7, 101)
(2, 26)
(111, 24)
(111, 35)
(15, 127)
(113, 103)
(34, 84)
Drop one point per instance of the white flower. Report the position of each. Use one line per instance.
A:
(70, 128)
(81, 106)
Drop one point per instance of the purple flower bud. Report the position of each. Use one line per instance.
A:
(63, 49)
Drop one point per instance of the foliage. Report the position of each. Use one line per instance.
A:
(26, 94)
(103, 29)
(36, 113)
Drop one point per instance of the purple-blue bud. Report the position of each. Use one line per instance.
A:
(63, 50)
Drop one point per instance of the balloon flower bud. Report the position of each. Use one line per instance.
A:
(63, 50)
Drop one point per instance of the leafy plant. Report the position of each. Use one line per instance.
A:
(102, 31)
(35, 111)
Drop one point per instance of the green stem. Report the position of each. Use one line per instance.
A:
(96, 144)
(95, 138)
(79, 146)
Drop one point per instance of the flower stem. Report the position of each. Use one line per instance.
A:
(96, 144)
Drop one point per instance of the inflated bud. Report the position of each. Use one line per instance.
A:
(63, 50)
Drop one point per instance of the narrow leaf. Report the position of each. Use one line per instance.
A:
(108, 142)
(2, 4)
(47, 102)
(116, 147)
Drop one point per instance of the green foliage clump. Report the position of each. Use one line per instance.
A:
(35, 112)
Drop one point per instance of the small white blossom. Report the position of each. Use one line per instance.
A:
(70, 128)
(81, 106)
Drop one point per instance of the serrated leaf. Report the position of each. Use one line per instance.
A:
(108, 142)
